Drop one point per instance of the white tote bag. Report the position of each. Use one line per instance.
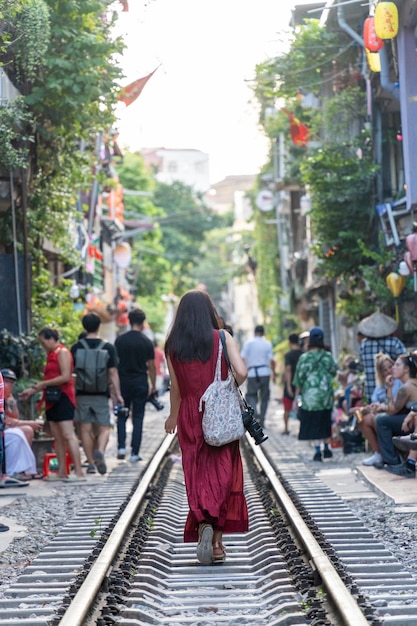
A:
(222, 411)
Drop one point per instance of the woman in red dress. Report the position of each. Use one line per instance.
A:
(59, 414)
(213, 476)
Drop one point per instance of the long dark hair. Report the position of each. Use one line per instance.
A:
(191, 335)
(409, 361)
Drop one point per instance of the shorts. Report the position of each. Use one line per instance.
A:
(61, 411)
(287, 402)
(93, 409)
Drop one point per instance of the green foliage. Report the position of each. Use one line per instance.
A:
(77, 88)
(184, 228)
(367, 290)
(340, 178)
(53, 307)
(14, 117)
(22, 354)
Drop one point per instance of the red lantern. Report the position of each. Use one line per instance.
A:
(372, 42)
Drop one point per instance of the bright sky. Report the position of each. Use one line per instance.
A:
(199, 97)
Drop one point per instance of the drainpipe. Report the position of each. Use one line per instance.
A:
(345, 26)
(393, 88)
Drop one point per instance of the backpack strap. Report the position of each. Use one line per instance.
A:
(99, 347)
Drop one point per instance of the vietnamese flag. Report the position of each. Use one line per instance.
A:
(133, 91)
(299, 132)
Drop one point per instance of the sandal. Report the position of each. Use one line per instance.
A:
(205, 544)
(219, 552)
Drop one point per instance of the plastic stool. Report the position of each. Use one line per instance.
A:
(52, 468)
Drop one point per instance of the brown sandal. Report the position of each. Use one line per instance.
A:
(219, 552)
(205, 545)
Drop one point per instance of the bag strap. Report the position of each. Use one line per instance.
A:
(100, 346)
(229, 365)
(218, 372)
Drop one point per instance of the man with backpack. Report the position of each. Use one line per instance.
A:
(95, 367)
(136, 361)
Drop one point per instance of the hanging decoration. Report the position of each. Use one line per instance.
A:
(374, 62)
(386, 20)
(396, 284)
(372, 42)
(411, 258)
(403, 268)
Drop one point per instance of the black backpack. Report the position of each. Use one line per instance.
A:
(91, 368)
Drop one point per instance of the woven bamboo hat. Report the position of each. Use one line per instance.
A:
(377, 325)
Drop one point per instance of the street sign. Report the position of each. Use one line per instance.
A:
(265, 200)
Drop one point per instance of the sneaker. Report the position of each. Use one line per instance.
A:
(406, 470)
(134, 458)
(373, 460)
(327, 454)
(121, 454)
(100, 462)
(317, 457)
(91, 469)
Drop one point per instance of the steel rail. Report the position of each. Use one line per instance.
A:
(342, 599)
(85, 596)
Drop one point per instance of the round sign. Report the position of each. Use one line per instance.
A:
(265, 200)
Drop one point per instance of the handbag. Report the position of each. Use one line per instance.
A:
(53, 394)
(222, 415)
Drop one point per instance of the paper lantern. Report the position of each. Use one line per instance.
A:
(403, 268)
(395, 283)
(374, 62)
(123, 255)
(372, 42)
(386, 20)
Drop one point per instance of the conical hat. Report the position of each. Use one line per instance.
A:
(377, 325)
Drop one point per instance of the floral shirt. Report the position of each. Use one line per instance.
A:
(314, 376)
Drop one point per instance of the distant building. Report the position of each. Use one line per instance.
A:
(188, 166)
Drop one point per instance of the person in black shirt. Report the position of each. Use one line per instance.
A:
(290, 361)
(136, 361)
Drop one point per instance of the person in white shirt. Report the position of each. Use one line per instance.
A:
(259, 358)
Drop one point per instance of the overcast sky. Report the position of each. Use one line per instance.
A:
(199, 97)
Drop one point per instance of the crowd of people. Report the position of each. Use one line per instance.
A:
(80, 388)
(81, 384)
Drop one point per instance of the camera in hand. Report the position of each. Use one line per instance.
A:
(153, 399)
(121, 411)
(253, 426)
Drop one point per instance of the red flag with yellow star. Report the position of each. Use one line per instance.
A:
(299, 132)
(133, 91)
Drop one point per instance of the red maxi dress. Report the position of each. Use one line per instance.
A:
(213, 476)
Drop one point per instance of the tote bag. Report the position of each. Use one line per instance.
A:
(222, 416)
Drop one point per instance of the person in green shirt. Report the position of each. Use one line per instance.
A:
(313, 380)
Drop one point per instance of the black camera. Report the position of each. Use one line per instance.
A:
(253, 426)
(121, 411)
(153, 399)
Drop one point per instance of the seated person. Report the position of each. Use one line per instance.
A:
(391, 423)
(29, 427)
(18, 435)
(407, 444)
(379, 403)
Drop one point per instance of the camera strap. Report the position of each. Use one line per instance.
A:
(229, 365)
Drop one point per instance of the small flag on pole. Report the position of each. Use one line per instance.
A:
(299, 132)
(133, 91)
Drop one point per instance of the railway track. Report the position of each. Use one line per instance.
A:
(305, 560)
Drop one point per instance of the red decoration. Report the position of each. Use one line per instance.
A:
(299, 132)
(372, 42)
